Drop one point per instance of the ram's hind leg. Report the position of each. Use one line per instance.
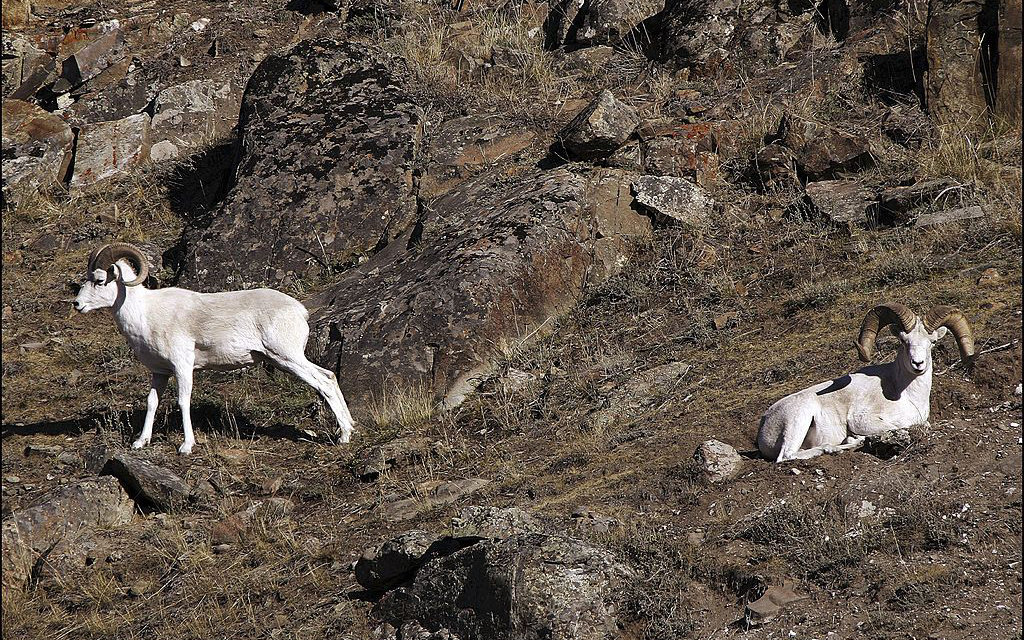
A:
(325, 383)
(797, 426)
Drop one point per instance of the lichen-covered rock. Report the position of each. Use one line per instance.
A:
(385, 565)
(719, 37)
(95, 56)
(105, 149)
(29, 534)
(492, 522)
(600, 22)
(522, 587)
(37, 147)
(954, 78)
(457, 149)
(190, 114)
(601, 128)
(324, 176)
(668, 197)
(681, 150)
(493, 260)
(21, 59)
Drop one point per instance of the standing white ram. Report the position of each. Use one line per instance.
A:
(837, 415)
(175, 331)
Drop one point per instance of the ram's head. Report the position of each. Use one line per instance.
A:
(917, 336)
(110, 267)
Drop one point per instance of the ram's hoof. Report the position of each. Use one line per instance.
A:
(186, 448)
(141, 442)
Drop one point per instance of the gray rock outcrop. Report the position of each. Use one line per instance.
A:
(30, 534)
(324, 175)
(493, 260)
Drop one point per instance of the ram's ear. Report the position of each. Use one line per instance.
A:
(113, 272)
(939, 334)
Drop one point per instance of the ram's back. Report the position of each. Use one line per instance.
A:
(231, 321)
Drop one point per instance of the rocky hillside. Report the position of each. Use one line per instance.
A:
(561, 256)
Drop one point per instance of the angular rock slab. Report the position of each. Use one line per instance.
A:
(525, 586)
(191, 114)
(105, 149)
(842, 201)
(675, 198)
(149, 484)
(37, 146)
(324, 175)
(432, 496)
(495, 260)
(30, 533)
(601, 128)
(719, 37)
(821, 151)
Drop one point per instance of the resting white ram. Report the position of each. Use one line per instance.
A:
(175, 331)
(837, 415)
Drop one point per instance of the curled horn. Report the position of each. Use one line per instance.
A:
(111, 253)
(92, 257)
(954, 320)
(877, 319)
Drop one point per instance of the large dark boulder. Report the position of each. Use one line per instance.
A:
(324, 174)
(720, 37)
(493, 261)
(526, 587)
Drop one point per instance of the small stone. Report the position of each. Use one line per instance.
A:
(601, 128)
(866, 510)
(768, 606)
(12, 479)
(795, 471)
(49, 451)
(990, 276)
(717, 461)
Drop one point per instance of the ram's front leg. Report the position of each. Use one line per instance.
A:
(183, 374)
(157, 386)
